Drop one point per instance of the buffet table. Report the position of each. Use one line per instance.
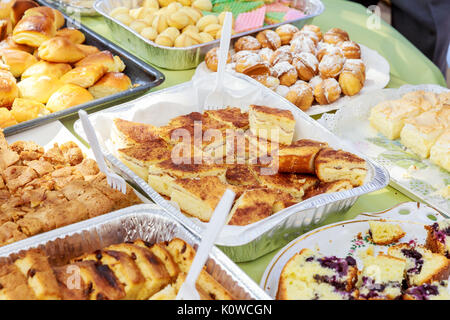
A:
(407, 65)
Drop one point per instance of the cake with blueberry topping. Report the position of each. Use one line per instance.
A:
(310, 275)
(438, 239)
(433, 291)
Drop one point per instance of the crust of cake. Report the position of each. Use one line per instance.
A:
(131, 133)
(233, 117)
(273, 111)
(433, 244)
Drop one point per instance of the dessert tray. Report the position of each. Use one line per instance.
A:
(377, 77)
(350, 238)
(416, 177)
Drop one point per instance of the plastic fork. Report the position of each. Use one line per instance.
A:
(214, 100)
(114, 181)
(187, 289)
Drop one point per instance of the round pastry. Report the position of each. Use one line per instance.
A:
(204, 21)
(331, 66)
(111, 83)
(327, 91)
(286, 33)
(315, 81)
(206, 37)
(67, 96)
(212, 60)
(191, 28)
(285, 72)
(213, 29)
(18, 61)
(324, 49)
(280, 55)
(38, 88)
(9, 43)
(269, 39)
(335, 36)
(149, 33)
(56, 70)
(303, 44)
(350, 50)
(202, 5)
(34, 30)
(268, 81)
(301, 94)
(8, 89)
(306, 64)
(352, 77)
(282, 90)
(266, 54)
(106, 58)
(247, 43)
(138, 25)
(251, 64)
(178, 20)
(238, 55)
(192, 38)
(313, 28)
(307, 34)
(62, 50)
(74, 35)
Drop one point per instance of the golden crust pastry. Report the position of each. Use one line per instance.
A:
(87, 49)
(19, 7)
(38, 87)
(269, 39)
(327, 91)
(252, 64)
(9, 43)
(67, 96)
(335, 36)
(18, 61)
(8, 89)
(45, 68)
(301, 94)
(212, 60)
(60, 49)
(286, 33)
(111, 83)
(106, 58)
(84, 76)
(34, 30)
(74, 35)
(247, 43)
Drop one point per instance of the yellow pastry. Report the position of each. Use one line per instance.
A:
(67, 96)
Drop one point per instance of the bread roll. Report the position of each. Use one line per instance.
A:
(104, 58)
(24, 109)
(51, 69)
(34, 30)
(56, 17)
(111, 83)
(5, 26)
(67, 96)
(19, 7)
(84, 76)
(87, 49)
(8, 89)
(38, 88)
(9, 43)
(6, 118)
(60, 49)
(74, 35)
(18, 61)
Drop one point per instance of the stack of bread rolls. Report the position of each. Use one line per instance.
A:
(46, 67)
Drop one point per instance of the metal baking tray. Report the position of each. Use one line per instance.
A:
(188, 57)
(147, 222)
(275, 231)
(141, 74)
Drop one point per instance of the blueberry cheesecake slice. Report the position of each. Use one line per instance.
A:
(309, 275)
(438, 238)
(433, 291)
(381, 278)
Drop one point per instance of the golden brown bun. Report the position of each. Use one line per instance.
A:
(67, 96)
(87, 49)
(6, 118)
(8, 89)
(335, 36)
(51, 69)
(350, 49)
(212, 60)
(18, 61)
(19, 7)
(252, 64)
(24, 109)
(84, 76)
(313, 28)
(269, 39)
(105, 58)
(61, 50)
(247, 43)
(286, 32)
(38, 88)
(327, 91)
(352, 77)
(301, 94)
(34, 30)
(74, 35)
(54, 15)
(9, 43)
(111, 83)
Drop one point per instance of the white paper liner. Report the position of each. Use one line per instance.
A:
(351, 123)
(377, 77)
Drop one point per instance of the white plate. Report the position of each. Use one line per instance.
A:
(377, 77)
(341, 239)
(418, 178)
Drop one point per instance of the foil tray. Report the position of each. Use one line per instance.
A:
(147, 222)
(253, 241)
(188, 57)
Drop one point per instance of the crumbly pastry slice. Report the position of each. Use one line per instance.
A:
(384, 233)
(422, 265)
(309, 275)
(241, 174)
(433, 291)
(127, 133)
(381, 278)
(286, 182)
(14, 284)
(333, 165)
(272, 124)
(438, 237)
(327, 187)
(388, 117)
(232, 116)
(440, 151)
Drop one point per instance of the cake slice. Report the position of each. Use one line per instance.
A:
(432, 291)
(241, 175)
(422, 265)
(285, 182)
(126, 133)
(231, 116)
(381, 278)
(438, 237)
(309, 275)
(388, 117)
(425, 100)
(272, 124)
(440, 151)
(14, 284)
(327, 187)
(420, 133)
(384, 233)
(333, 165)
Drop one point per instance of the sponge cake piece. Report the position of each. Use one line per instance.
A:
(272, 124)
(14, 284)
(286, 182)
(333, 165)
(126, 133)
(241, 175)
(231, 116)
(328, 187)
(384, 233)
(440, 151)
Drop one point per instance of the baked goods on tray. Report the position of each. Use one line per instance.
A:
(304, 66)
(421, 120)
(49, 68)
(41, 190)
(134, 270)
(194, 158)
(408, 271)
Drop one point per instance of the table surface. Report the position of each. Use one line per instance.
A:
(408, 65)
